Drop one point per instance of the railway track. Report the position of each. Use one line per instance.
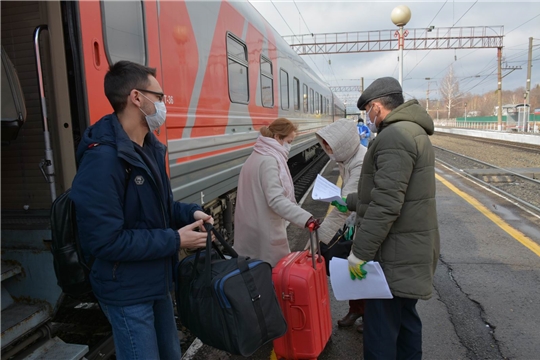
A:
(305, 177)
(522, 187)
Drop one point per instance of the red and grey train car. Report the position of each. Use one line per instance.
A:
(225, 72)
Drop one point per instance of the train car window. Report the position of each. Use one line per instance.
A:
(267, 82)
(317, 108)
(305, 99)
(284, 82)
(311, 107)
(123, 31)
(237, 70)
(321, 106)
(296, 93)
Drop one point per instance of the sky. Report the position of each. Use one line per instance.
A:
(476, 69)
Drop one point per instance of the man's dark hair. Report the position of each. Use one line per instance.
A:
(123, 77)
(390, 102)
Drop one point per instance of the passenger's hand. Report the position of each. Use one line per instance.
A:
(356, 267)
(200, 215)
(341, 208)
(189, 238)
(313, 224)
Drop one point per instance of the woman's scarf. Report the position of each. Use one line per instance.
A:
(271, 147)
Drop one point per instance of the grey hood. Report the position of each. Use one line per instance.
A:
(342, 136)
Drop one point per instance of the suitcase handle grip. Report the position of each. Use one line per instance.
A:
(311, 242)
(304, 318)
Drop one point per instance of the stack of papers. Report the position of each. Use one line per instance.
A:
(325, 191)
(374, 286)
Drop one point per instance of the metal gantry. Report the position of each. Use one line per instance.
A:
(345, 88)
(472, 37)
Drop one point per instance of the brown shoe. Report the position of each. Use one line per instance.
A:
(360, 328)
(348, 320)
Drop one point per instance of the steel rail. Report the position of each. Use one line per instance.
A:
(490, 165)
(522, 202)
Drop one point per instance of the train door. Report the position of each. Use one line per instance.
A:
(25, 190)
(112, 31)
(34, 46)
(60, 52)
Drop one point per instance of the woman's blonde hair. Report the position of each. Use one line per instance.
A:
(281, 127)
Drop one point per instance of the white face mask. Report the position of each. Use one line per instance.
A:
(287, 146)
(371, 124)
(156, 119)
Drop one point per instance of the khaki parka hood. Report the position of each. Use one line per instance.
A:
(410, 111)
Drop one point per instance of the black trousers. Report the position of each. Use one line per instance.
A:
(392, 329)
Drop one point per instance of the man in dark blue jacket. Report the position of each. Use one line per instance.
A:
(127, 218)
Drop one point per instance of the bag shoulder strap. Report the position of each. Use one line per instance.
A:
(253, 293)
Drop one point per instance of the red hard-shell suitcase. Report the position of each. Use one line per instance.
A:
(302, 290)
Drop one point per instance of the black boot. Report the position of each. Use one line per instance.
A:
(348, 320)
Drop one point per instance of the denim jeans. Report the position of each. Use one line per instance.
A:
(145, 331)
(392, 329)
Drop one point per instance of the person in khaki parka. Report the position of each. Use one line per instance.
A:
(396, 221)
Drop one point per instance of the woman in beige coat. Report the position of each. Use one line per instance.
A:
(265, 199)
(341, 142)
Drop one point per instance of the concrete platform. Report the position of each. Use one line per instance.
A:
(533, 139)
(484, 302)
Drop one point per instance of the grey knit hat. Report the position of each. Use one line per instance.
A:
(381, 87)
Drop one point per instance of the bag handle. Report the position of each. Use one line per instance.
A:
(211, 230)
(207, 272)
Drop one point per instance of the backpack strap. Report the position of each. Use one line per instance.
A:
(128, 175)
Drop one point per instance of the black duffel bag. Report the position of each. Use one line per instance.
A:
(338, 247)
(229, 304)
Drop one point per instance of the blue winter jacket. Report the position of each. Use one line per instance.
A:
(123, 221)
(364, 129)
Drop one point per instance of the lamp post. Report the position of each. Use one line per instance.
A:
(400, 17)
(465, 112)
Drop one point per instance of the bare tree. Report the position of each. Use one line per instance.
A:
(450, 90)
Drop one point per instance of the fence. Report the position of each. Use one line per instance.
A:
(488, 123)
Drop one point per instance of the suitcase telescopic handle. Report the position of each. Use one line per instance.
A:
(319, 258)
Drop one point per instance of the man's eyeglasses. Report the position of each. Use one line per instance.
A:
(158, 94)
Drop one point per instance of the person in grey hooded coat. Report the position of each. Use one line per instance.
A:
(340, 141)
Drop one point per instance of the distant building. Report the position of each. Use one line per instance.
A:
(506, 109)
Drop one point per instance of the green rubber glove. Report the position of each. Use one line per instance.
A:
(356, 267)
(341, 208)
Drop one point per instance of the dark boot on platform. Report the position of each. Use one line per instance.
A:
(348, 320)
(360, 328)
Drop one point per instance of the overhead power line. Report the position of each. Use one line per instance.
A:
(437, 13)
(465, 13)
(307, 27)
(523, 24)
(286, 23)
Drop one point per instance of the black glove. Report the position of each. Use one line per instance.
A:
(313, 224)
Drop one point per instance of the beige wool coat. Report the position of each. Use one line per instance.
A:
(262, 210)
(342, 136)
